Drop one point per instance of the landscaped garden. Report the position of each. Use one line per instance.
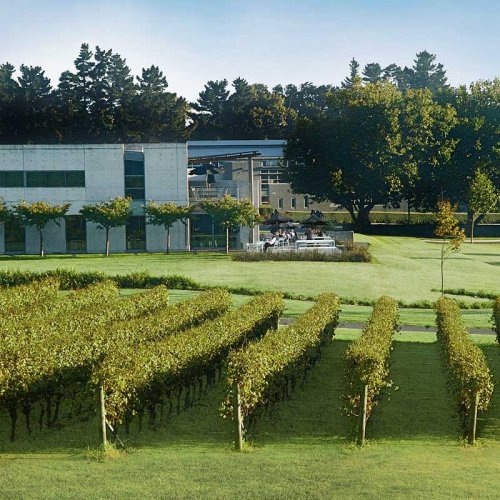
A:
(299, 394)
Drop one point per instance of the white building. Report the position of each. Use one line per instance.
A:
(85, 174)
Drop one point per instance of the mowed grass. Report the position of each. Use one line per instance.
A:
(404, 268)
(300, 449)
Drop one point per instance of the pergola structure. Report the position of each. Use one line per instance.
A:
(245, 155)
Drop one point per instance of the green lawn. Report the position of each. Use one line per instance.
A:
(405, 268)
(300, 449)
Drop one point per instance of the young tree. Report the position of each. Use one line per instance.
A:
(108, 214)
(353, 79)
(39, 214)
(448, 230)
(483, 198)
(230, 212)
(166, 214)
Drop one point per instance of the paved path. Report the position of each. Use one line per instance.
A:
(403, 328)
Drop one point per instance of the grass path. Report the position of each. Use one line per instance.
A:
(419, 406)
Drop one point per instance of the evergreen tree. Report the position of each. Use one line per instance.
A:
(425, 73)
(211, 107)
(372, 73)
(353, 79)
(10, 114)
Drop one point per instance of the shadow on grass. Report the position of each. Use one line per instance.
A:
(419, 404)
(489, 421)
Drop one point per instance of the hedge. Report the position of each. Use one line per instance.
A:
(267, 369)
(367, 358)
(469, 374)
(145, 375)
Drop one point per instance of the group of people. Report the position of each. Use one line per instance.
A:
(286, 235)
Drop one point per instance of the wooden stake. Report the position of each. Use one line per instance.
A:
(238, 435)
(473, 420)
(363, 403)
(103, 416)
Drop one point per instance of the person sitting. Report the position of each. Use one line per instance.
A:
(270, 243)
(309, 234)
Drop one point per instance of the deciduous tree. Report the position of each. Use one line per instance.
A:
(230, 212)
(166, 215)
(447, 228)
(108, 214)
(39, 214)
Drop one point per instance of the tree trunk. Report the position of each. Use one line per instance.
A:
(362, 221)
(168, 240)
(408, 213)
(41, 242)
(442, 267)
(107, 242)
(472, 222)
(227, 240)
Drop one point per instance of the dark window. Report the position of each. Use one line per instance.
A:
(13, 178)
(55, 179)
(134, 181)
(76, 234)
(15, 236)
(134, 178)
(35, 179)
(75, 178)
(136, 233)
(293, 203)
(134, 167)
(280, 203)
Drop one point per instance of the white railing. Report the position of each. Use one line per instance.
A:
(212, 193)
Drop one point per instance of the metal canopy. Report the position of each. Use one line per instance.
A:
(222, 157)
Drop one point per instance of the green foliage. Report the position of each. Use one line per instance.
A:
(267, 369)
(230, 212)
(166, 214)
(448, 230)
(353, 254)
(156, 369)
(5, 212)
(108, 214)
(468, 370)
(39, 214)
(496, 317)
(483, 197)
(367, 359)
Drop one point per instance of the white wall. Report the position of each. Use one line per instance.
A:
(165, 178)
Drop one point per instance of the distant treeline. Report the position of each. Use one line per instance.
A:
(101, 101)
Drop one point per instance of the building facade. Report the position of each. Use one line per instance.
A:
(86, 174)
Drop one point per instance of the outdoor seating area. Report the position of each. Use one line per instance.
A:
(288, 236)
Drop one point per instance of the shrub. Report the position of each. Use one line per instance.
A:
(367, 358)
(496, 317)
(264, 370)
(465, 361)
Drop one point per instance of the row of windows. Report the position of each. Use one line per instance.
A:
(40, 178)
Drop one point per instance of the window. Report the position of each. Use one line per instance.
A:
(293, 203)
(270, 176)
(264, 194)
(12, 178)
(280, 203)
(76, 234)
(55, 178)
(306, 201)
(135, 230)
(134, 177)
(15, 236)
(75, 178)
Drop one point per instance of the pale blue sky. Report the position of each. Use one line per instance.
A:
(273, 41)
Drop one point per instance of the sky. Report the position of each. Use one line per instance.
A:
(271, 41)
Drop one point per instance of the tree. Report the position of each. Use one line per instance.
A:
(483, 198)
(448, 230)
(39, 214)
(373, 73)
(5, 212)
(108, 214)
(353, 79)
(424, 74)
(349, 154)
(230, 212)
(166, 214)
